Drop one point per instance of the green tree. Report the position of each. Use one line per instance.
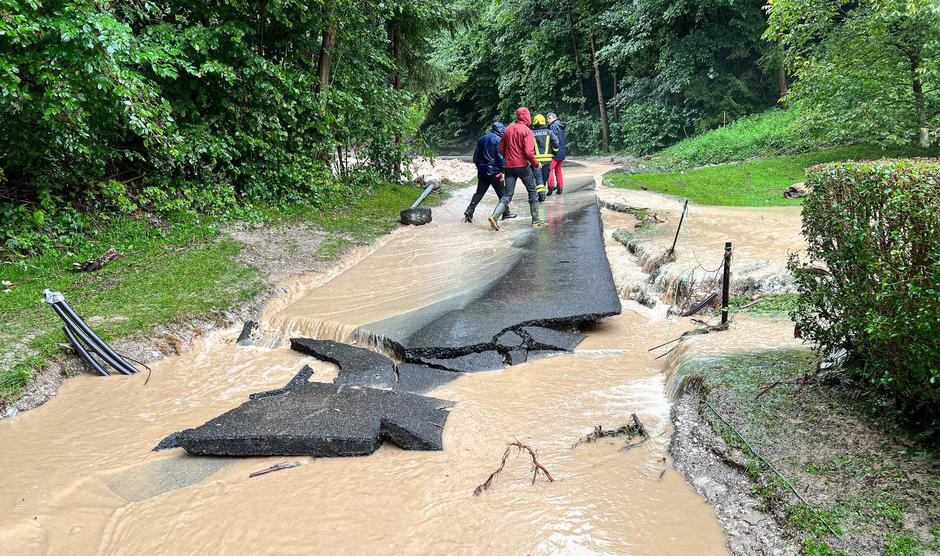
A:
(867, 70)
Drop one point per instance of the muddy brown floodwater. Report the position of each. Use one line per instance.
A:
(77, 475)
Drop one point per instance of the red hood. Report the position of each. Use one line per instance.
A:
(523, 117)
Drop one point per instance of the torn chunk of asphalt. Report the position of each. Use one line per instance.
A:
(245, 338)
(420, 379)
(303, 377)
(471, 362)
(320, 420)
(357, 366)
(517, 357)
(541, 338)
(509, 340)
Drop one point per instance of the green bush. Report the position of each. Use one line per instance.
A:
(771, 133)
(871, 284)
(650, 126)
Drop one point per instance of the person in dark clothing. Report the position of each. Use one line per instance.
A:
(518, 148)
(555, 177)
(489, 163)
(546, 144)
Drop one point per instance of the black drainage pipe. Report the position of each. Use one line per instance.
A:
(109, 356)
(102, 347)
(67, 314)
(83, 352)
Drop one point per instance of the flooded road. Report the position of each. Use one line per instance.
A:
(77, 475)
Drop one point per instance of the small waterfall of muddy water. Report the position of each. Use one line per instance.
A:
(77, 475)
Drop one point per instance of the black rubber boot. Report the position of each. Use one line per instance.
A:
(507, 215)
(468, 217)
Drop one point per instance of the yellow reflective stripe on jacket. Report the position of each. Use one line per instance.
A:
(545, 156)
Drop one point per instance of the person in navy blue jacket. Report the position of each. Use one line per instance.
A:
(489, 163)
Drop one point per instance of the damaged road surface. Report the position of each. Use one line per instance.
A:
(561, 281)
(318, 419)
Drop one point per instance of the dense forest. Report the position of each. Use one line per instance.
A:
(212, 107)
(638, 75)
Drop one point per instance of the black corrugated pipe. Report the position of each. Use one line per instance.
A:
(66, 313)
(83, 352)
(112, 360)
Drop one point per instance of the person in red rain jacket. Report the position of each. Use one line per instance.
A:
(518, 149)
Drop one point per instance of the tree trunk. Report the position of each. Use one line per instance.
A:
(615, 110)
(921, 134)
(262, 16)
(601, 104)
(577, 62)
(395, 47)
(782, 82)
(326, 55)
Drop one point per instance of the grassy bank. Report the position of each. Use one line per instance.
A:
(174, 271)
(840, 445)
(752, 183)
(771, 133)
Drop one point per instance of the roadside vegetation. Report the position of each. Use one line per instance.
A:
(775, 132)
(754, 183)
(844, 447)
(175, 270)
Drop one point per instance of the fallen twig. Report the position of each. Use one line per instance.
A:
(277, 467)
(754, 301)
(537, 467)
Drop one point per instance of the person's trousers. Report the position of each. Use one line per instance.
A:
(555, 176)
(483, 184)
(528, 180)
(541, 178)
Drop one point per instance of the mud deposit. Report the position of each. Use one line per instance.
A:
(78, 475)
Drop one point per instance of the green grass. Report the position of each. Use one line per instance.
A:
(778, 305)
(177, 273)
(177, 270)
(754, 183)
(811, 431)
(771, 133)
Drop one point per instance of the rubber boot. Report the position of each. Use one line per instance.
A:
(468, 216)
(497, 213)
(534, 210)
(507, 215)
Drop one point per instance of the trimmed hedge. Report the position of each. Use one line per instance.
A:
(872, 281)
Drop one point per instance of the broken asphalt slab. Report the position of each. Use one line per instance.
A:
(562, 280)
(320, 420)
(357, 366)
(362, 367)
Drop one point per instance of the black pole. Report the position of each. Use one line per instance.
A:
(685, 207)
(726, 284)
